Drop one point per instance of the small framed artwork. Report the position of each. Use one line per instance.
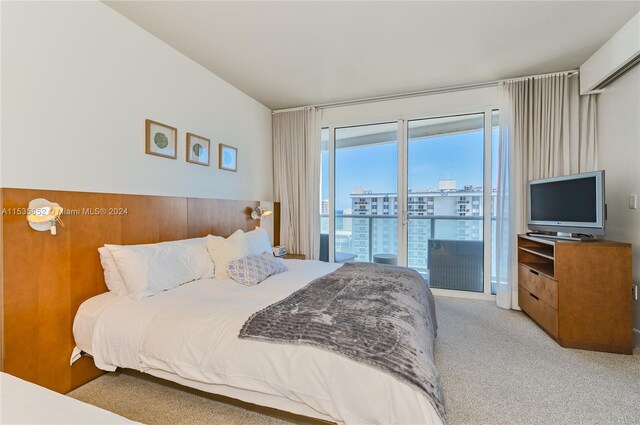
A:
(160, 139)
(227, 158)
(198, 149)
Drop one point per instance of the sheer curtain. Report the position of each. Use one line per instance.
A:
(296, 172)
(546, 129)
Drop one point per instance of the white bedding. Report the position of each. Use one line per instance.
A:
(25, 403)
(190, 335)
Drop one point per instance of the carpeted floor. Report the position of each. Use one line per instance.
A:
(497, 367)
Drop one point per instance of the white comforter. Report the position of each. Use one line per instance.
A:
(190, 335)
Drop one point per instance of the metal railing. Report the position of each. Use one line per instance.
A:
(433, 221)
(351, 229)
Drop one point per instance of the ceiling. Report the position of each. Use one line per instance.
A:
(287, 54)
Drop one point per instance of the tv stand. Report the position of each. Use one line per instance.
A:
(578, 293)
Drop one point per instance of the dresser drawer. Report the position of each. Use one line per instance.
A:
(538, 310)
(539, 285)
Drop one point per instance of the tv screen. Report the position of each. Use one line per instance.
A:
(573, 203)
(567, 200)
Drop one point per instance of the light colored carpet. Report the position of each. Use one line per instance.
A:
(497, 367)
(149, 400)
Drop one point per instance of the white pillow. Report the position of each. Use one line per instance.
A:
(149, 269)
(201, 243)
(258, 242)
(111, 274)
(223, 251)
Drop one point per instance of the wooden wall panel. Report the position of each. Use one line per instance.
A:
(220, 217)
(37, 290)
(87, 231)
(46, 278)
(151, 219)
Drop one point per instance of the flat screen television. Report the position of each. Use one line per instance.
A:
(568, 204)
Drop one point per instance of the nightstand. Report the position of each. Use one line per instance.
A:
(294, 257)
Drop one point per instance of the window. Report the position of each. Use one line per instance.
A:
(449, 208)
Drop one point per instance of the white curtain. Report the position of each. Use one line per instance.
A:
(546, 129)
(296, 172)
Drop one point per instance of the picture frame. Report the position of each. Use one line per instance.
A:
(160, 139)
(227, 157)
(198, 150)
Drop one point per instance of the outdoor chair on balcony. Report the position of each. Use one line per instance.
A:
(340, 257)
(455, 264)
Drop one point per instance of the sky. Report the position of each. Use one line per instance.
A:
(458, 156)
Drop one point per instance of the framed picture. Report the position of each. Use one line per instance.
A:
(227, 157)
(160, 139)
(198, 149)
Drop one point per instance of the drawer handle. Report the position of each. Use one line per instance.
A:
(534, 272)
(537, 299)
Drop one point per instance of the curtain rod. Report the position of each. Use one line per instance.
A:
(422, 92)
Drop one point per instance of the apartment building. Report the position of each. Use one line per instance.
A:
(371, 228)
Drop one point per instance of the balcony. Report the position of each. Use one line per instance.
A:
(446, 250)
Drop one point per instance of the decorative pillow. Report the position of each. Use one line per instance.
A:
(258, 242)
(149, 269)
(251, 270)
(278, 264)
(223, 251)
(111, 274)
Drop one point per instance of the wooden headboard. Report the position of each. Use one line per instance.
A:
(46, 278)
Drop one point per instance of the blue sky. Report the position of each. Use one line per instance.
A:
(458, 157)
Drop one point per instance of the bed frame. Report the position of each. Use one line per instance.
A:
(46, 278)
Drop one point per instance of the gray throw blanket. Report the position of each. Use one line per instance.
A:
(383, 316)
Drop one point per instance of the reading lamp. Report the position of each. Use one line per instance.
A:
(43, 215)
(260, 212)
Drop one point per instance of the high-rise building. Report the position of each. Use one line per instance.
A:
(324, 207)
(443, 213)
(370, 226)
(444, 201)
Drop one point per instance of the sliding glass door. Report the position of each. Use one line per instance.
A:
(412, 192)
(445, 208)
(366, 184)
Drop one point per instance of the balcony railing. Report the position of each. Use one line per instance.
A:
(368, 235)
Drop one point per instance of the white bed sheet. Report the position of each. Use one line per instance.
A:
(85, 320)
(190, 335)
(26, 403)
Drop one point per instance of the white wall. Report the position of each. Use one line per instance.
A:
(78, 81)
(421, 106)
(619, 156)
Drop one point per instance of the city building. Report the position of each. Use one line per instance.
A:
(445, 213)
(324, 207)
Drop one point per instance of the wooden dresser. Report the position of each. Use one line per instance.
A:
(578, 292)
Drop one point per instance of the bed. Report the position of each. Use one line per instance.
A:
(26, 403)
(189, 335)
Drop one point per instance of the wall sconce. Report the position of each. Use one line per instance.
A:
(260, 212)
(44, 214)
(264, 213)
